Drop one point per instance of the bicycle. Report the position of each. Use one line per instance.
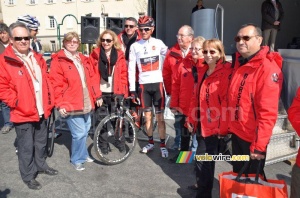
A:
(50, 134)
(118, 131)
(121, 133)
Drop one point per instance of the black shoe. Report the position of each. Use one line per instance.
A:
(33, 184)
(193, 187)
(49, 171)
(173, 159)
(104, 150)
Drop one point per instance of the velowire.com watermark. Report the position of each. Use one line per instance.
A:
(188, 157)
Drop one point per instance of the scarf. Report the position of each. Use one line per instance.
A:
(105, 66)
(128, 42)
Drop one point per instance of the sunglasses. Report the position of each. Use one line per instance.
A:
(144, 29)
(106, 40)
(244, 38)
(19, 38)
(129, 26)
(212, 52)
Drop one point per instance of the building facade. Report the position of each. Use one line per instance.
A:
(67, 15)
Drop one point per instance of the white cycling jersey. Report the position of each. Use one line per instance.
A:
(148, 55)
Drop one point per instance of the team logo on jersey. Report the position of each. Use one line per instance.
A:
(153, 48)
(20, 73)
(275, 77)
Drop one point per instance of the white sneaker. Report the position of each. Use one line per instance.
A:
(79, 167)
(147, 148)
(164, 152)
(89, 159)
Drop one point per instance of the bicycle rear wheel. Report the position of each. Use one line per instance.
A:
(110, 146)
(50, 134)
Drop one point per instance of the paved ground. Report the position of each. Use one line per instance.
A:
(140, 176)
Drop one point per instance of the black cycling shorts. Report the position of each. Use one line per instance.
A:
(152, 94)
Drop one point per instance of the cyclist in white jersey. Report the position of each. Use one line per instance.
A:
(147, 55)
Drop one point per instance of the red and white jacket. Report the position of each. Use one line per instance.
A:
(294, 118)
(120, 78)
(253, 98)
(170, 67)
(209, 102)
(67, 85)
(17, 90)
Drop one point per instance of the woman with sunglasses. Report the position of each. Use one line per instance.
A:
(207, 111)
(109, 61)
(75, 91)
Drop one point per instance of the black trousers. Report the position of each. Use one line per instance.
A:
(31, 142)
(205, 169)
(185, 134)
(241, 147)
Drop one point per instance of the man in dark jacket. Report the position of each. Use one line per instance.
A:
(25, 88)
(272, 15)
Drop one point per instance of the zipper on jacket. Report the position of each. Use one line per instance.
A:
(252, 104)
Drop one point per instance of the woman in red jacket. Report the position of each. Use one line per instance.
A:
(294, 117)
(108, 60)
(182, 90)
(75, 91)
(207, 111)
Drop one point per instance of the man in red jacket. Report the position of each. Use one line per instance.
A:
(294, 117)
(179, 52)
(25, 88)
(253, 97)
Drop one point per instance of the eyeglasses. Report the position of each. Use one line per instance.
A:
(106, 40)
(244, 38)
(72, 42)
(181, 35)
(19, 38)
(195, 48)
(144, 29)
(212, 52)
(129, 26)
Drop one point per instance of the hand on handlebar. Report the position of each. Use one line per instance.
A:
(135, 98)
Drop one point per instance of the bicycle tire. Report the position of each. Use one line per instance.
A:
(115, 156)
(50, 135)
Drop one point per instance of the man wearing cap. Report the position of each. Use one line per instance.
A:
(147, 55)
(25, 88)
(4, 42)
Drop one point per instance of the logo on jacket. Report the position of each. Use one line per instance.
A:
(20, 73)
(153, 48)
(275, 77)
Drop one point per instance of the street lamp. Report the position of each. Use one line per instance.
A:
(62, 22)
(57, 29)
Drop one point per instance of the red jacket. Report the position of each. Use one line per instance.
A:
(17, 91)
(170, 67)
(120, 77)
(253, 98)
(294, 118)
(182, 87)
(209, 101)
(67, 84)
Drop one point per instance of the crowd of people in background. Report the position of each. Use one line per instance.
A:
(211, 98)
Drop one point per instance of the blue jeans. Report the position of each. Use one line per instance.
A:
(6, 114)
(79, 126)
(177, 127)
(194, 145)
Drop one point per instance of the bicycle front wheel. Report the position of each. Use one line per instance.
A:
(114, 139)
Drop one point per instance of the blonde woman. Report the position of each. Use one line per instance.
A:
(76, 91)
